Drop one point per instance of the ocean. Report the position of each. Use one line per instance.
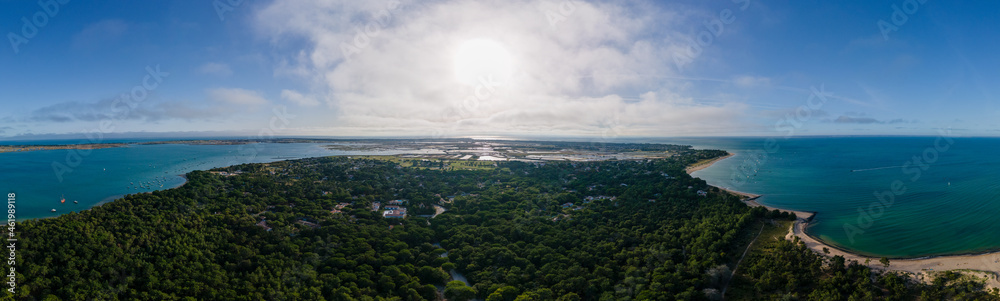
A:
(898, 197)
(41, 179)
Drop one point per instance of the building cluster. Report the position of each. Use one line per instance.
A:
(339, 208)
(589, 199)
(394, 209)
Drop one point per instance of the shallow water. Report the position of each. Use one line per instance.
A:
(947, 191)
(41, 178)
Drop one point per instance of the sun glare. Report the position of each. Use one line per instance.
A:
(482, 58)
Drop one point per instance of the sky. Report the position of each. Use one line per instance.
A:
(464, 68)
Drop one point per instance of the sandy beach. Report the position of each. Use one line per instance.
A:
(980, 265)
(705, 164)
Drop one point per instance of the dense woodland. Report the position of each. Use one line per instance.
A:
(612, 230)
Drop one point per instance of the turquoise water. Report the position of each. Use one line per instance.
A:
(103, 175)
(946, 201)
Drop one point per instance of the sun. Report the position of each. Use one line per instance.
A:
(482, 59)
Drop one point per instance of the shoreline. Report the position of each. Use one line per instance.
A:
(705, 164)
(981, 265)
(110, 199)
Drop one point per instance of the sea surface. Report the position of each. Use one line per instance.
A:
(898, 197)
(41, 179)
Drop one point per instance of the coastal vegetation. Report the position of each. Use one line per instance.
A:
(780, 269)
(306, 230)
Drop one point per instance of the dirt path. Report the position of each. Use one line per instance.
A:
(438, 210)
(737, 267)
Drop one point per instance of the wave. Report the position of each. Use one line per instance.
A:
(877, 168)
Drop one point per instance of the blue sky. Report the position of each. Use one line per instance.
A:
(461, 68)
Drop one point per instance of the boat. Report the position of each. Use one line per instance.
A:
(53, 210)
(76, 202)
(63, 200)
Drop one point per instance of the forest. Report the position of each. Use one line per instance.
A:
(306, 230)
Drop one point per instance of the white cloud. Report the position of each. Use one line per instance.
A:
(236, 96)
(574, 76)
(747, 81)
(219, 69)
(298, 98)
(98, 34)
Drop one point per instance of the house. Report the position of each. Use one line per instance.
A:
(376, 206)
(307, 223)
(396, 202)
(702, 193)
(395, 213)
(341, 206)
(567, 205)
(263, 224)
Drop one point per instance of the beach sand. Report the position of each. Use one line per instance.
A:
(705, 164)
(981, 265)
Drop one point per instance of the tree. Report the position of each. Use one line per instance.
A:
(506, 293)
(884, 261)
(432, 275)
(458, 291)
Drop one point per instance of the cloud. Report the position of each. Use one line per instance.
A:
(874, 42)
(784, 113)
(236, 96)
(298, 98)
(846, 118)
(858, 120)
(112, 109)
(385, 67)
(222, 102)
(218, 69)
(751, 81)
(98, 34)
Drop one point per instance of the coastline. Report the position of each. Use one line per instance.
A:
(984, 265)
(977, 264)
(32, 148)
(705, 164)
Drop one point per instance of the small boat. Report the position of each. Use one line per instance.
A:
(63, 200)
(53, 210)
(76, 202)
